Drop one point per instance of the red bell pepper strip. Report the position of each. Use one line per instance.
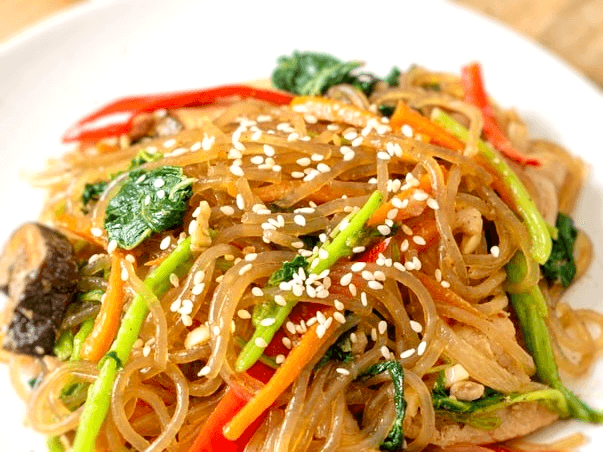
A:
(475, 93)
(211, 437)
(116, 117)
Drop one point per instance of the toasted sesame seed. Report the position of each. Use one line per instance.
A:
(279, 359)
(300, 220)
(358, 266)
(375, 285)
(286, 342)
(363, 299)
(379, 275)
(382, 155)
(421, 348)
(111, 247)
(244, 269)
(367, 275)
(280, 300)
(416, 326)
(419, 240)
(406, 229)
(257, 291)
(339, 305)
(495, 250)
(260, 342)
(432, 204)
(243, 314)
(445, 284)
(268, 321)
(382, 327)
(384, 229)
(407, 353)
(352, 289)
(269, 150)
(385, 352)
(96, 232)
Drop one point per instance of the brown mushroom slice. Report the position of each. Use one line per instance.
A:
(515, 421)
(38, 272)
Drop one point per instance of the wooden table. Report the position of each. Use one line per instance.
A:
(571, 28)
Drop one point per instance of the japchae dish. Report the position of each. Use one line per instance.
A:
(340, 263)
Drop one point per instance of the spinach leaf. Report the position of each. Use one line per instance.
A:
(93, 192)
(560, 264)
(285, 273)
(340, 351)
(147, 202)
(480, 413)
(386, 110)
(311, 73)
(392, 77)
(395, 437)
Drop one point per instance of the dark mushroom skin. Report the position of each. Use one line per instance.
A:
(39, 273)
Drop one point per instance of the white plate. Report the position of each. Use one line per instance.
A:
(76, 61)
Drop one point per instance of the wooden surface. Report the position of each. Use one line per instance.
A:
(571, 28)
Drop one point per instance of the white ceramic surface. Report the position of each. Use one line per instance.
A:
(76, 61)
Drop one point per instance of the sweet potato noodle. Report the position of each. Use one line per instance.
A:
(289, 159)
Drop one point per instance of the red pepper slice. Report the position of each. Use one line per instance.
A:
(475, 93)
(116, 117)
(211, 437)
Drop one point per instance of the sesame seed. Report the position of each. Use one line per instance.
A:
(445, 284)
(165, 243)
(407, 353)
(406, 229)
(367, 275)
(419, 240)
(404, 246)
(192, 227)
(420, 195)
(244, 269)
(320, 331)
(323, 253)
(316, 157)
(124, 274)
(323, 167)
(406, 131)
(240, 201)
(392, 214)
(243, 314)
(342, 371)
(268, 321)
(348, 156)
(111, 247)
(260, 342)
(358, 249)
(286, 342)
(382, 327)
(357, 141)
(280, 300)
(279, 359)
(416, 326)
(421, 348)
(158, 183)
(379, 275)
(381, 155)
(257, 291)
(227, 210)
(495, 250)
(333, 127)
(300, 220)
(339, 305)
(269, 150)
(339, 317)
(251, 257)
(385, 352)
(358, 266)
(363, 299)
(350, 135)
(352, 289)
(237, 170)
(375, 285)
(169, 143)
(96, 232)
(346, 279)
(432, 204)
(384, 229)
(353, 338)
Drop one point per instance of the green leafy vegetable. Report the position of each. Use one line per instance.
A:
(561, 265)
(392, 77)
(532, 311)
(340, 351)
(395, 438)
(478, 413)
(147, 202)
(93, 192)
(386, 110)
(311, 73)
(285, 273)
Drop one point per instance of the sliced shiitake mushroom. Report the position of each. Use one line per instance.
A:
(39, 273)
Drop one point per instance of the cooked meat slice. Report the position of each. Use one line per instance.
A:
(39, 273)
(517, 420)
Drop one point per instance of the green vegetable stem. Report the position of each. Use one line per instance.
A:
(99, 394)
(537, 227)
(561, 265)
(341, 246)
(532, 311)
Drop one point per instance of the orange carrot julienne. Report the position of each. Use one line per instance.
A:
(424, 126)
(413, 207)
(107, 321)
(286, 374)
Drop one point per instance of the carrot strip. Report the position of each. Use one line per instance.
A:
(444, 295)
(286, 374)
(420, 124)
(105, 326)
